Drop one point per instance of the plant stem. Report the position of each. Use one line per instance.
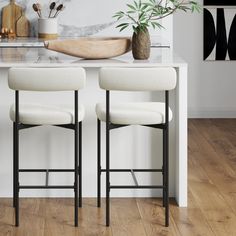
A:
(136, 22)
(171, 12)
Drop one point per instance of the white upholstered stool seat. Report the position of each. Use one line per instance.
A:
(136, 113)
(39, 114)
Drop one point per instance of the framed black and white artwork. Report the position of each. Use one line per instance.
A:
(219, 29)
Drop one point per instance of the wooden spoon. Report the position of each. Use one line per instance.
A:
(39, 8)
(35, 7)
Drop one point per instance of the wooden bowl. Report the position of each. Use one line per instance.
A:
(91, 48)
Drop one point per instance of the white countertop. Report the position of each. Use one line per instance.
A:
(31, 52)
(21, 42)
(10, 57)
(30, 42)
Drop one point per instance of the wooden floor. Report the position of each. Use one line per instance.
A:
(212, 198)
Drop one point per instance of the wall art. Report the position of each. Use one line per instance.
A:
(219, 30)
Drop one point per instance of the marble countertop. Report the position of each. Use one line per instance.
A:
(21, 42)
(10, 57)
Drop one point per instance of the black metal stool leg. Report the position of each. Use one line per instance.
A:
(16, 176)
(107, 179)
(107, 159)
(76, 159)
(80, 164)
(16, 153)
(98, 163)
(167, 178)
(163, 168)
(14, 166)
(76, 175)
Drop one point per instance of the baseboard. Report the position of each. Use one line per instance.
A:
(114, 194)
(211, 113)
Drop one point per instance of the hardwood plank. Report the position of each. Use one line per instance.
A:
(210, 199)
(125, 218)
(221, 170)
(153, 217)
(92, 219)
(190, 220)
(220, 137)
(6, 217)
(60, 218)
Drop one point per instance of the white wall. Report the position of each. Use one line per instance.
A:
(211, 84)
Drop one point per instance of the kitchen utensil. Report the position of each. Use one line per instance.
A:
(58, 9)
(51, 7)
(35, 7)
(39, 9)
(23, 26)
(10, 14)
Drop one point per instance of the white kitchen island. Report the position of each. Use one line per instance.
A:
(135, 147)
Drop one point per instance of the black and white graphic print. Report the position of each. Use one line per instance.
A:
(219, 33)
(219, 2)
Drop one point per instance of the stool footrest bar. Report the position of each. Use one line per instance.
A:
(136, 187)
(134, 170)
(46, 187)
(46, 170)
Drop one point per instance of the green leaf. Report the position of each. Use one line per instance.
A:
(124, 27)
(120, 17)
(131, 12)
(153, 25)
(142, 14)
(131, 7)
(140, 4)
(121, 25)
(118, 14)
(144, 7)
(136, 4)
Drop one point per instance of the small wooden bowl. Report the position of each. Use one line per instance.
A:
(91, 48)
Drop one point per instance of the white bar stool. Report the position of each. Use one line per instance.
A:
(26, 116)
(150, 114)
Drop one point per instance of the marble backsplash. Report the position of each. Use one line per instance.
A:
(80, 17)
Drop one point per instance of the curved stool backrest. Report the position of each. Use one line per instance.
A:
(137, 79)
(46, 79)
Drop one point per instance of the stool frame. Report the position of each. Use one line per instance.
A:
(164, 170)
(77, 128)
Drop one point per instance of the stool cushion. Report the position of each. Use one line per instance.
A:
(38, 114)
(137, 79)
(140, 113)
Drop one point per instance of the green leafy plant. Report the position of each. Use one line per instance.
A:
(142, 14)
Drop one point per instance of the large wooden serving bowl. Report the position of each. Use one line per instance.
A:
(91, 48)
